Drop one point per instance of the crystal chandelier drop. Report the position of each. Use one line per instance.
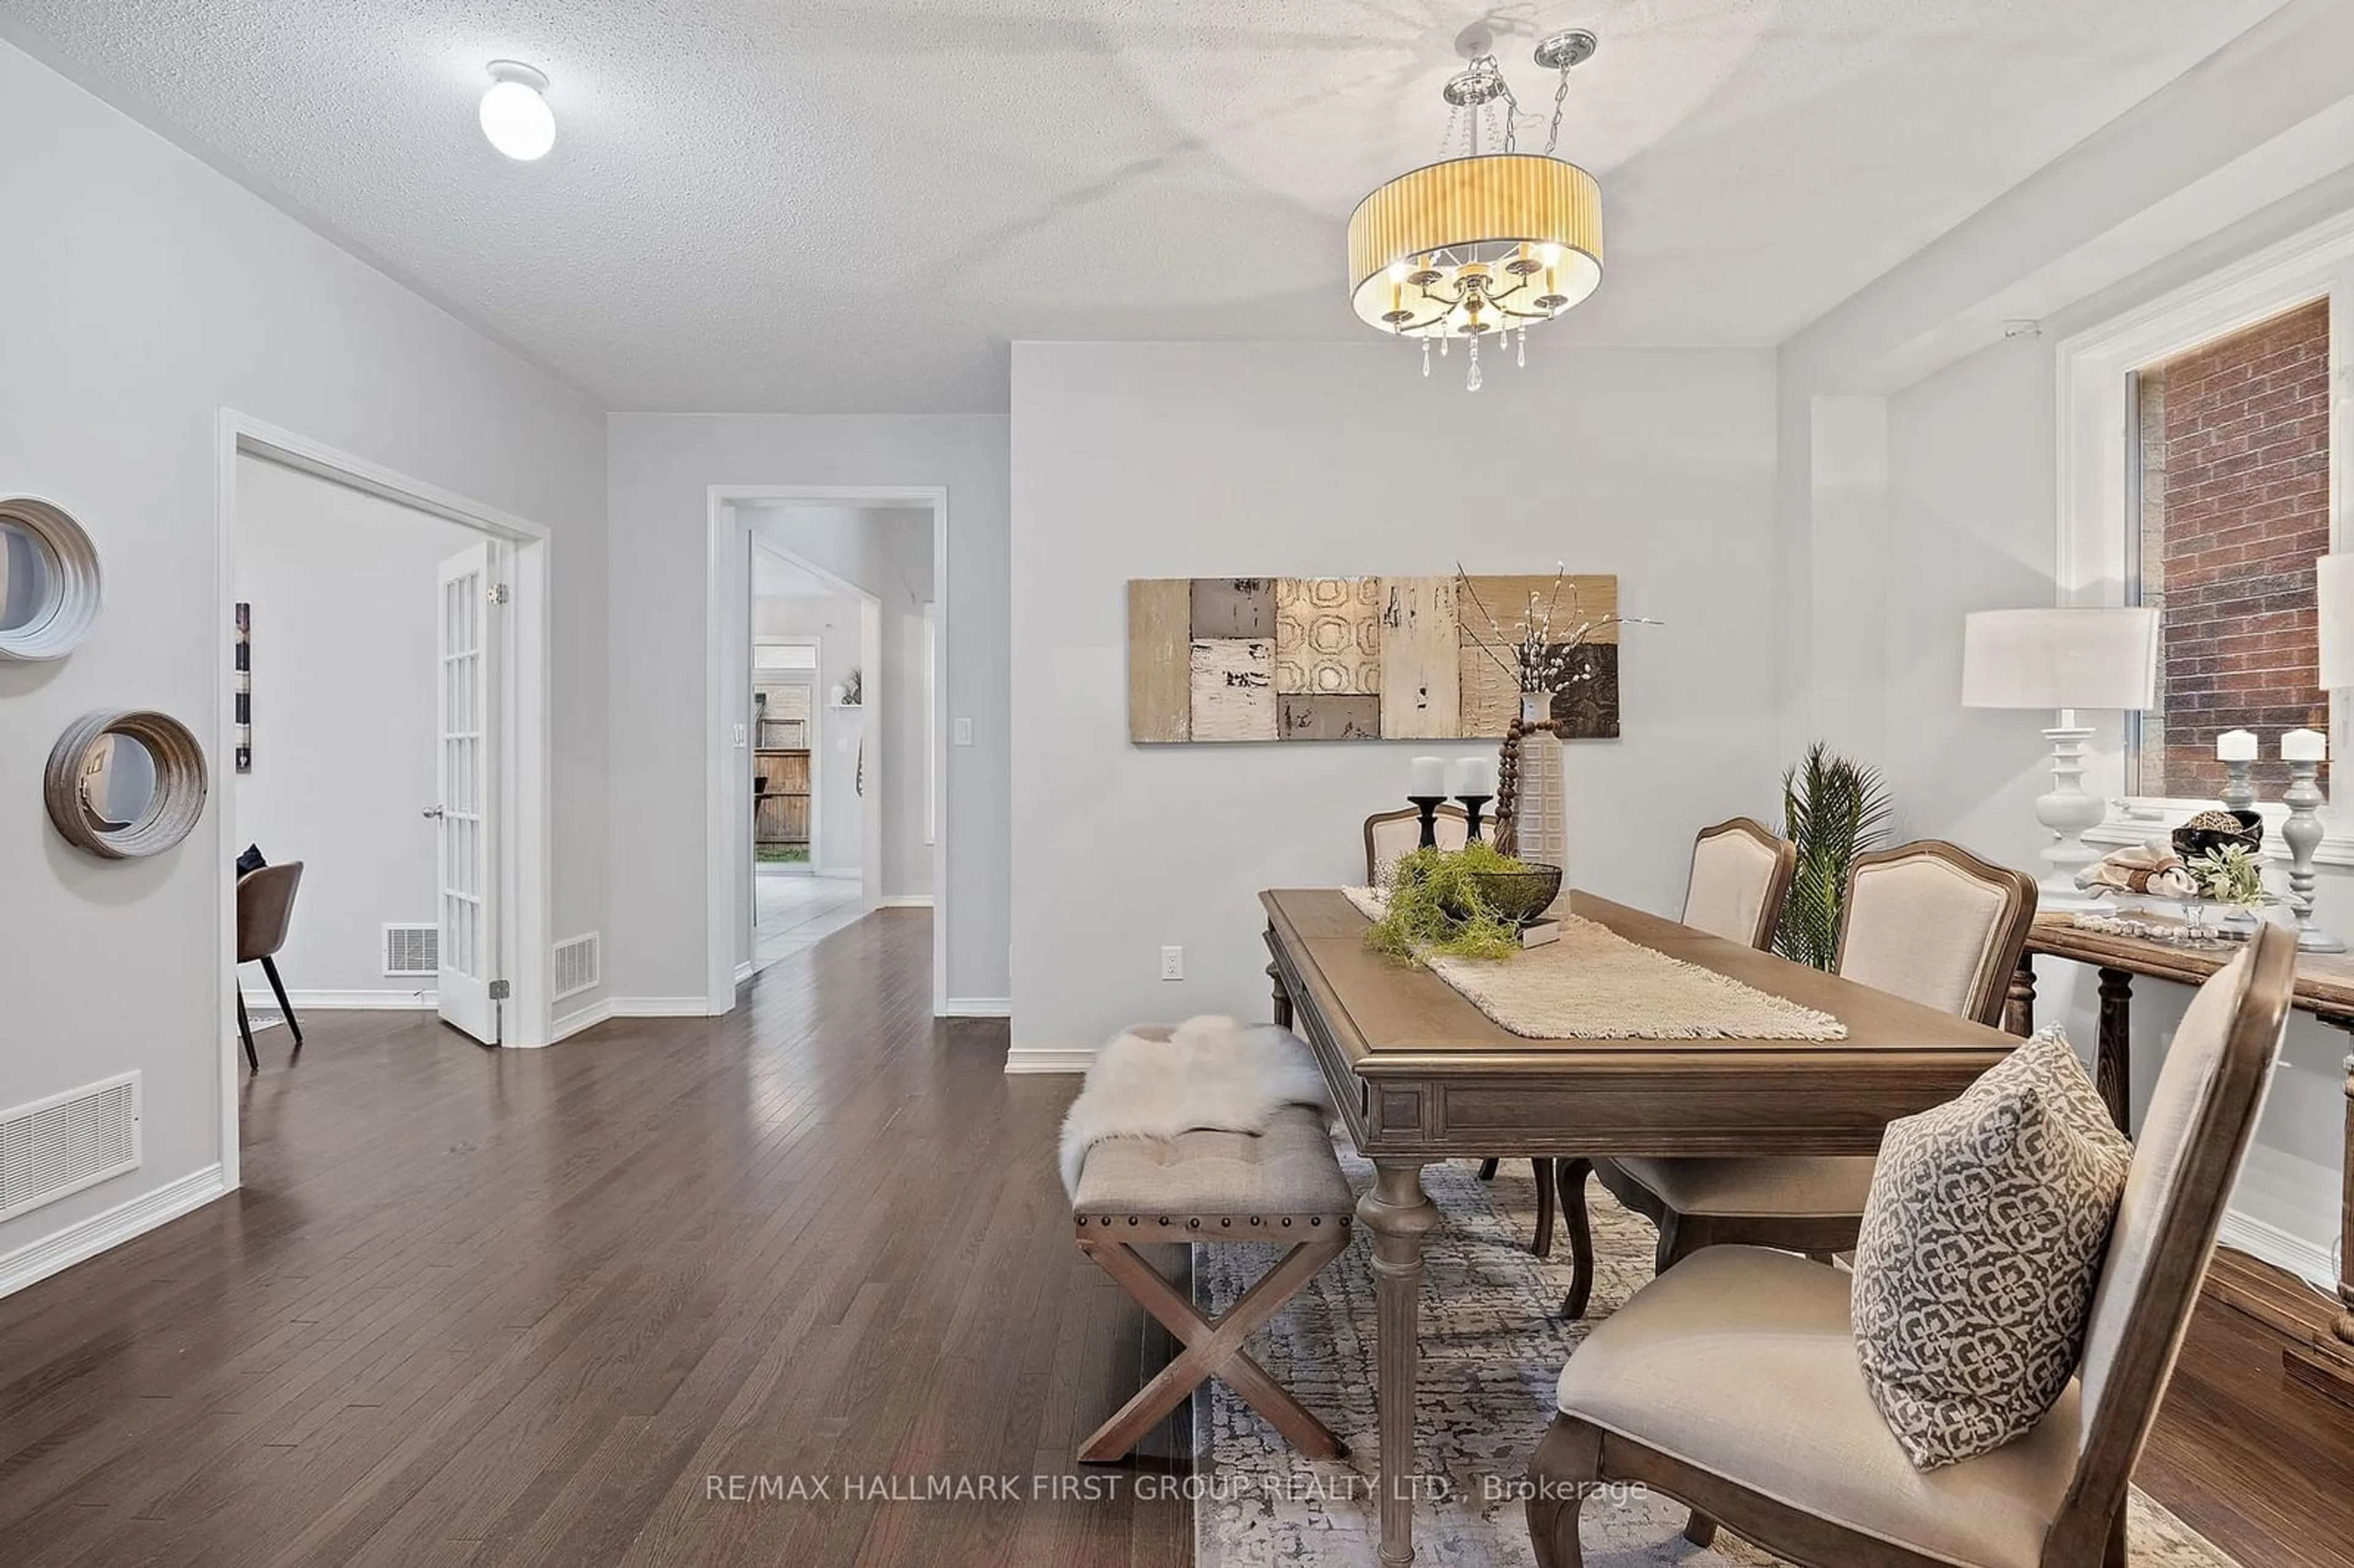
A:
(1490, 238)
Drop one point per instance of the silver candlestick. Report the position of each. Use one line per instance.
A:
(2239, 794)
(2302, 831)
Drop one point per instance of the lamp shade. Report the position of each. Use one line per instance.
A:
(2333, 595)
(2061, 658)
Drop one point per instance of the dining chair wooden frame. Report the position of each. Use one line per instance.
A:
(1777, 881)
(1818, 1235)
(2088, 1530)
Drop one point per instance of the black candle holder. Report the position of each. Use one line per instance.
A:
(1428, 806)
(1473, 806)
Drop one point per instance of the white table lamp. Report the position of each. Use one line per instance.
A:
(2064, 659)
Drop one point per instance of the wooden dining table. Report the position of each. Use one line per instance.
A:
(1419, 1074)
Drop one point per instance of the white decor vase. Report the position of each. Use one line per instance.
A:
(1540, 802)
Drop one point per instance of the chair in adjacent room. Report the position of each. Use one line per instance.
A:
(1732, 1382)
(1927, 921)
(265, 908)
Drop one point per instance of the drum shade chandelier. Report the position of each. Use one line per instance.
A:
(1492, 240)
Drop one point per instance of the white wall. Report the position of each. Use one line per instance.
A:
(344, 588)
(661, 468)
(1971, 522)
(1176, 460)
(146, 293)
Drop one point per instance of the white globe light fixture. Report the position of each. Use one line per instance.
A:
(515, 115)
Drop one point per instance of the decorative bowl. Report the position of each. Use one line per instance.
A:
(1520, 896)
(2205, 834)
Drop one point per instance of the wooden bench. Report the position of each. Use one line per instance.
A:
(1282, 1186)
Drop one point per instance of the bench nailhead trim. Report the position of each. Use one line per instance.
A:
(1286, 1221)
(1131, 1219)
(1223, 1223)
(1192, 1224)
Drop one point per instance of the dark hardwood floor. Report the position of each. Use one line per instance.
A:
(478, 1308)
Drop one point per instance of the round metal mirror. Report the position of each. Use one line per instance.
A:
(48, 580)
(125, 784)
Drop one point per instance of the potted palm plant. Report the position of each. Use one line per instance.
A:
(1833, 809)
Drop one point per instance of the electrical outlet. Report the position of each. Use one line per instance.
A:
(964, 732)
(1172, 963)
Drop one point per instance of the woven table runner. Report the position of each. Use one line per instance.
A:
(1595, 984)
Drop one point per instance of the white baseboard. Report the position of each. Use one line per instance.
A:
(659, 1007)
(836, 873)
(1049, 1060)
(979, 1007)
(87, 1238)
(744, 971)
(906, 901)
(570, 1023)
(260, 1000)
(2267, 1243)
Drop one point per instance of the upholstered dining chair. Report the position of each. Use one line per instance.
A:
(1391, 836)
(1732, 1382)
(265, 908)
(1741, 873)
(1928, 921)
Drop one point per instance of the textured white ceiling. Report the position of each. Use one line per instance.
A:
(757, 204)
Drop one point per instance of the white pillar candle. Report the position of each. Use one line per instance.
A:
(1426, 776)
(2236, 746)
(2304, 746)
(1474, 776)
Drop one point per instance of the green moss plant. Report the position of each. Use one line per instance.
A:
(1435, 906)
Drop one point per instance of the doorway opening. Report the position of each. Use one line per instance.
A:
(840, 589)
(816, 723)
(383, 728)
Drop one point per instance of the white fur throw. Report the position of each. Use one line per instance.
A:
(1212, 1073)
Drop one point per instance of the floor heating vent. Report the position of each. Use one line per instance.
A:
(410, 950)
(580, 965)
(68, 1142)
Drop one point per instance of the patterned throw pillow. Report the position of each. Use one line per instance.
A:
(1981, 1246)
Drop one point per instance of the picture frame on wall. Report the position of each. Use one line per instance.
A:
(244, 687)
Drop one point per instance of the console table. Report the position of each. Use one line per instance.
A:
(2325, 987)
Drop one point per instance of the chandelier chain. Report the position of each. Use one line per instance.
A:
(1511, 110)
(1559, 99)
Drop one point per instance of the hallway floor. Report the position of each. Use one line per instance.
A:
(793, 910)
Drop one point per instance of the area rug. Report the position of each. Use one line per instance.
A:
(1492, 1348)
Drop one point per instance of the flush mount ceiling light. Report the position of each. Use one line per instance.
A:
(515, 115)
(1491, 240)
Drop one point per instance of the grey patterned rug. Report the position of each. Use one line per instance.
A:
(1491, 1347)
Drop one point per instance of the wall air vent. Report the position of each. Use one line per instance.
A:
(67, 1142)
(412, 950)
(580, 965)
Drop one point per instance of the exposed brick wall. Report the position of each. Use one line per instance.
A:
(2236, 485)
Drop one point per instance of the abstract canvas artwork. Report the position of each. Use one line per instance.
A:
(244, 692)
(1252, 659)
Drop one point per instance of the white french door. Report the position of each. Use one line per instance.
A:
(467, 687)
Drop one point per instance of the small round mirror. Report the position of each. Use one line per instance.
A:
(28, 571)
(48, 580)
(118, 782)
(125, 784)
